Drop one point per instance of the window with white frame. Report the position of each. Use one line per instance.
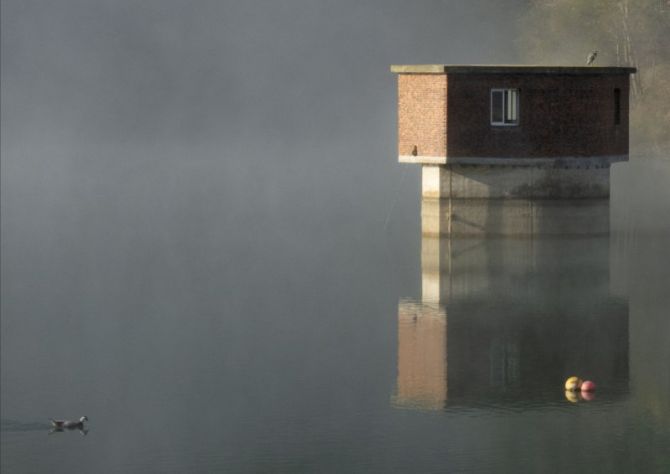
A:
(504, 106)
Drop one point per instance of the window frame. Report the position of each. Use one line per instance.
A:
(505, 91)
(617, 106)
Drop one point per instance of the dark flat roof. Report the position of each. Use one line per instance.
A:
(507, 69)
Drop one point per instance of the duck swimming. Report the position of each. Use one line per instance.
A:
(69, 424)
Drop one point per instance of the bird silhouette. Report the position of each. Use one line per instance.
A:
(62, 425)
(591, 57)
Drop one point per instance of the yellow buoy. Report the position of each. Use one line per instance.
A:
(573, 384)
(572, 396)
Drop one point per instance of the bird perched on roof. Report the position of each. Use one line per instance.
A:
(591, 57)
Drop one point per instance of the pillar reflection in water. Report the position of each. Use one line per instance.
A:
(505, 321)
(514, 217)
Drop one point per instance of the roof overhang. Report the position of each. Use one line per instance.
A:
(509, 69)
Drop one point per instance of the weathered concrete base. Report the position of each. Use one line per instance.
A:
(514, 217)
(566, 181)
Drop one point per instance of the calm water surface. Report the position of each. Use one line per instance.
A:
(298, 333)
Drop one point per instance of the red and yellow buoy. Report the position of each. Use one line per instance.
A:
(577, 389)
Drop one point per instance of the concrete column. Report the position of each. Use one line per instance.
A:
(432, 185)
(520, 200)
(514, 182)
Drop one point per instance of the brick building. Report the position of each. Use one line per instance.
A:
(513, 132)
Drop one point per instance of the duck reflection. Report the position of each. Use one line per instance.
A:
(82, 431)
(505, 321)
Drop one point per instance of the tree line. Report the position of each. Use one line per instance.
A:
(625, 33)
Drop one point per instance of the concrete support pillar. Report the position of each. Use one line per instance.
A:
(432, 185)
(515, 182)
(514, 200)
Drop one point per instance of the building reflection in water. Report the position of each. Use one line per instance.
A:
(505, 321)
(422, 355)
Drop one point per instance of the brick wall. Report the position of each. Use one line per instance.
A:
(558, 116)
(422, 114)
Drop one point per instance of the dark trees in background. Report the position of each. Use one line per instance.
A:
(626, 33)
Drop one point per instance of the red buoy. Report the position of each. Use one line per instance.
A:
(588, 386)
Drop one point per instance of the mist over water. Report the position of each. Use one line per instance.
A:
(206, 243)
